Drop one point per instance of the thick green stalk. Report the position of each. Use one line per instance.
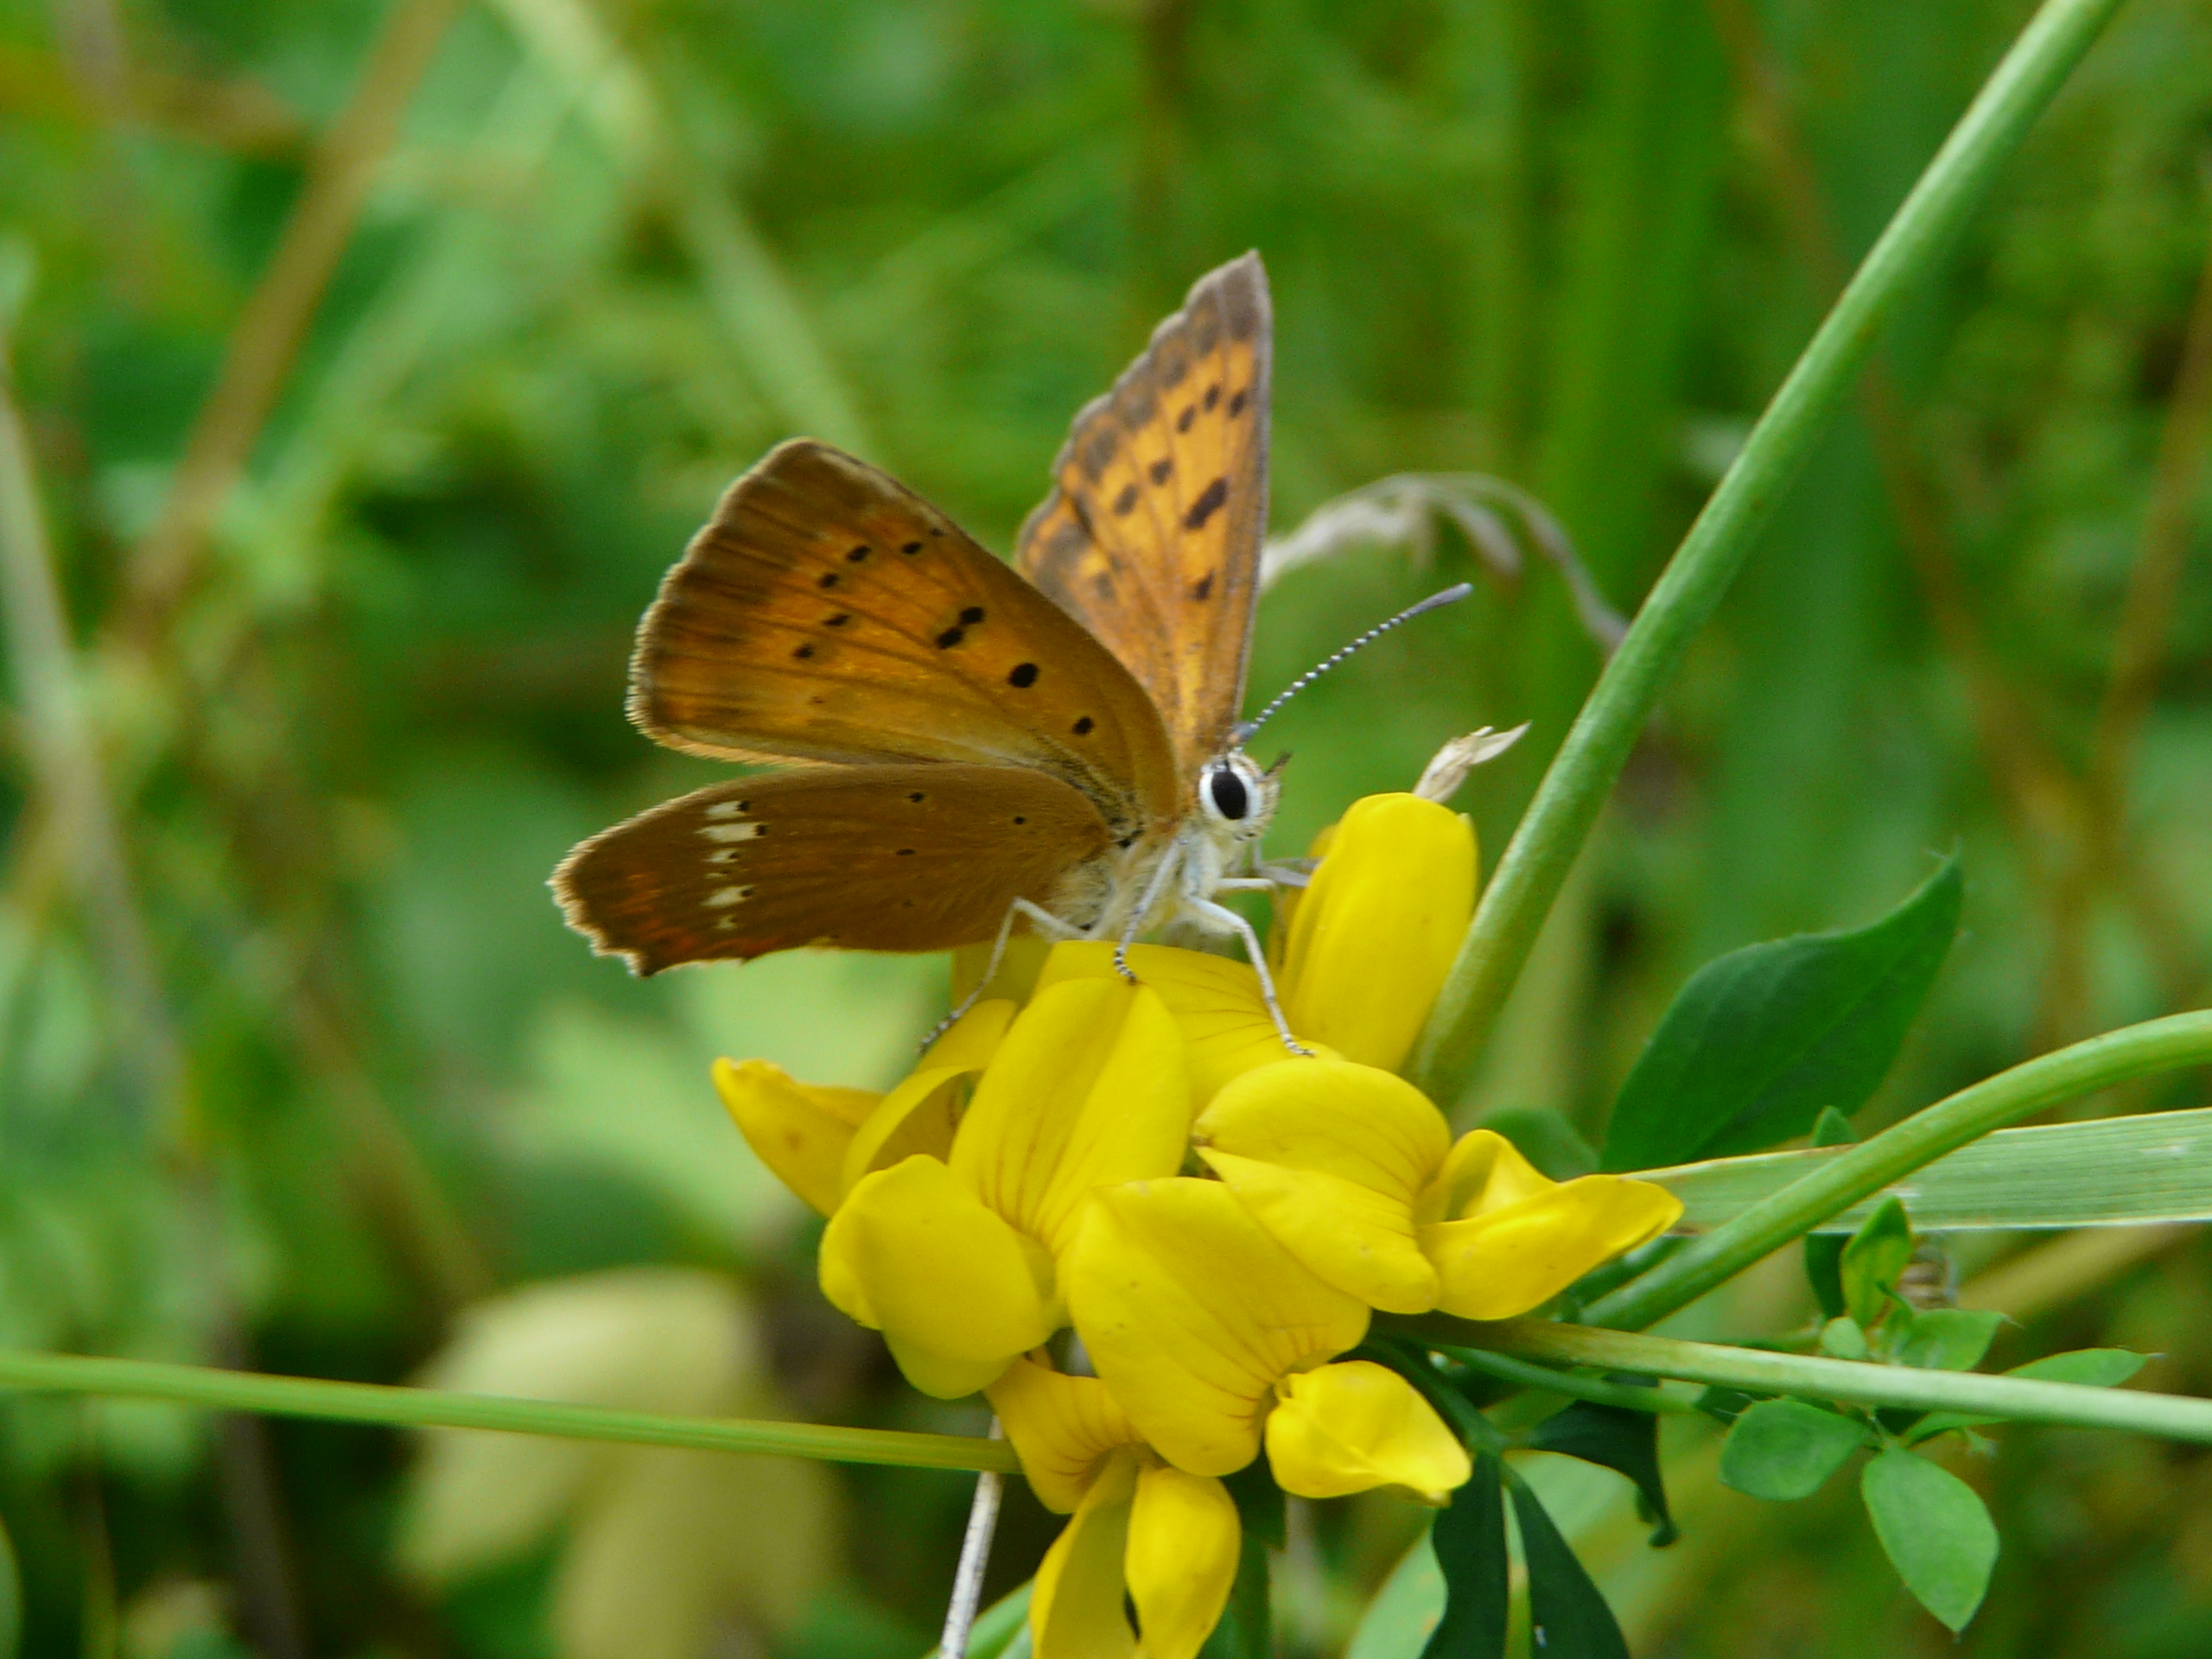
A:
(375, 1402)
(1756, 1370)
(2168, 1045)
(1551, 833)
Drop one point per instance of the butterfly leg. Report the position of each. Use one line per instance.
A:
(1169, 863)
(1222, 916)
(1047, 924)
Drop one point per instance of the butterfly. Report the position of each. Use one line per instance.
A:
(966, 742)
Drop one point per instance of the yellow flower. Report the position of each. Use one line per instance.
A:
(1216, 1002)
(818, 1139)
(951, 1251)
(1142, 1528)
(1373, 935)
(1353, 1171)
(1211, 1335)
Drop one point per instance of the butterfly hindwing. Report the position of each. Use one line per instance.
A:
(865, 858)
(827, 613)
(1152, 535)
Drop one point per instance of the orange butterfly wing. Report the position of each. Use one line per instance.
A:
(866, 858)
(827, 613)
(1151, 537)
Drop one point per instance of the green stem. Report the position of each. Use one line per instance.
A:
(1526, 1374)
(375, 1402)
(2018, 1399)
(1551, 833)
(2178, 1040)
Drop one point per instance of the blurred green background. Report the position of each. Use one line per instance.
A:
(374, 357)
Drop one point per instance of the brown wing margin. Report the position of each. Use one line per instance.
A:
(865, 858)
(1152, 534)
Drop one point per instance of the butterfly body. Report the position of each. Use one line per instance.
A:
(963, 742)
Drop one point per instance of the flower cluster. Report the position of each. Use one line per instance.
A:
(1216, 1222)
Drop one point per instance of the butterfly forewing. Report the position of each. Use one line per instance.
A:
(827, 613)
(1152, 534)
(867, 858)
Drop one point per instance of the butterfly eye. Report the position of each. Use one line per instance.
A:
(1228, 794)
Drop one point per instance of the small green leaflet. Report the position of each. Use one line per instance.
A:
(1469, 1539)
(1784, 1450)
(1568, 1617)
(1942, 1339)
(1935, 1531)
(1878, 1253)
(1762, 1039)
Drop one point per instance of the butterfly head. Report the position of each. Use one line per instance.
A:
(1237, 796)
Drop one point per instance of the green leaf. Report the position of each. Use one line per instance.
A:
(1759, 1041)
(1469, 1539)
(1878, 1253)
(2108, 1172)
(1618, 1439)
(1568, 1616)
(1946, 1338)
(2094, 1368)
(1823, 1251)
(1784, 1450)
(1935, 1531)
(1842, 1339)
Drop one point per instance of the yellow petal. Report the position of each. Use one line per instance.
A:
(1061, 1427)
(1355, 1239)
(1506, 1260)
(942, 1376)
(1330, 1156)
(919, 1114)
(1088, 1088)
(1191, 1312)
(1356, 1426)
(1075, 1609)
(1375, 929)
(913, 1254)
(799, 1130)
(1485, 1171)
(1184, 1538)
(1214, 999)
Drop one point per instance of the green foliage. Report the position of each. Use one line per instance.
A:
(1782, 1450)
(1763, 1041)
(1824, 1251)
(1567, 1615)
(1619, 1438)
(1935, 1531)
(1469, 1539)
(1878, 1253)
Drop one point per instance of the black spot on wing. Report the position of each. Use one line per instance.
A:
(1126, 501)
(1209, 503)
(1202, 589)
(949, 638)
(971, 616)
(1183, 420)
(1023, 676)
(1236, 405)
(1159, 470)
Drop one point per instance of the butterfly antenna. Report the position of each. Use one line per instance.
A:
(1240, 734)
